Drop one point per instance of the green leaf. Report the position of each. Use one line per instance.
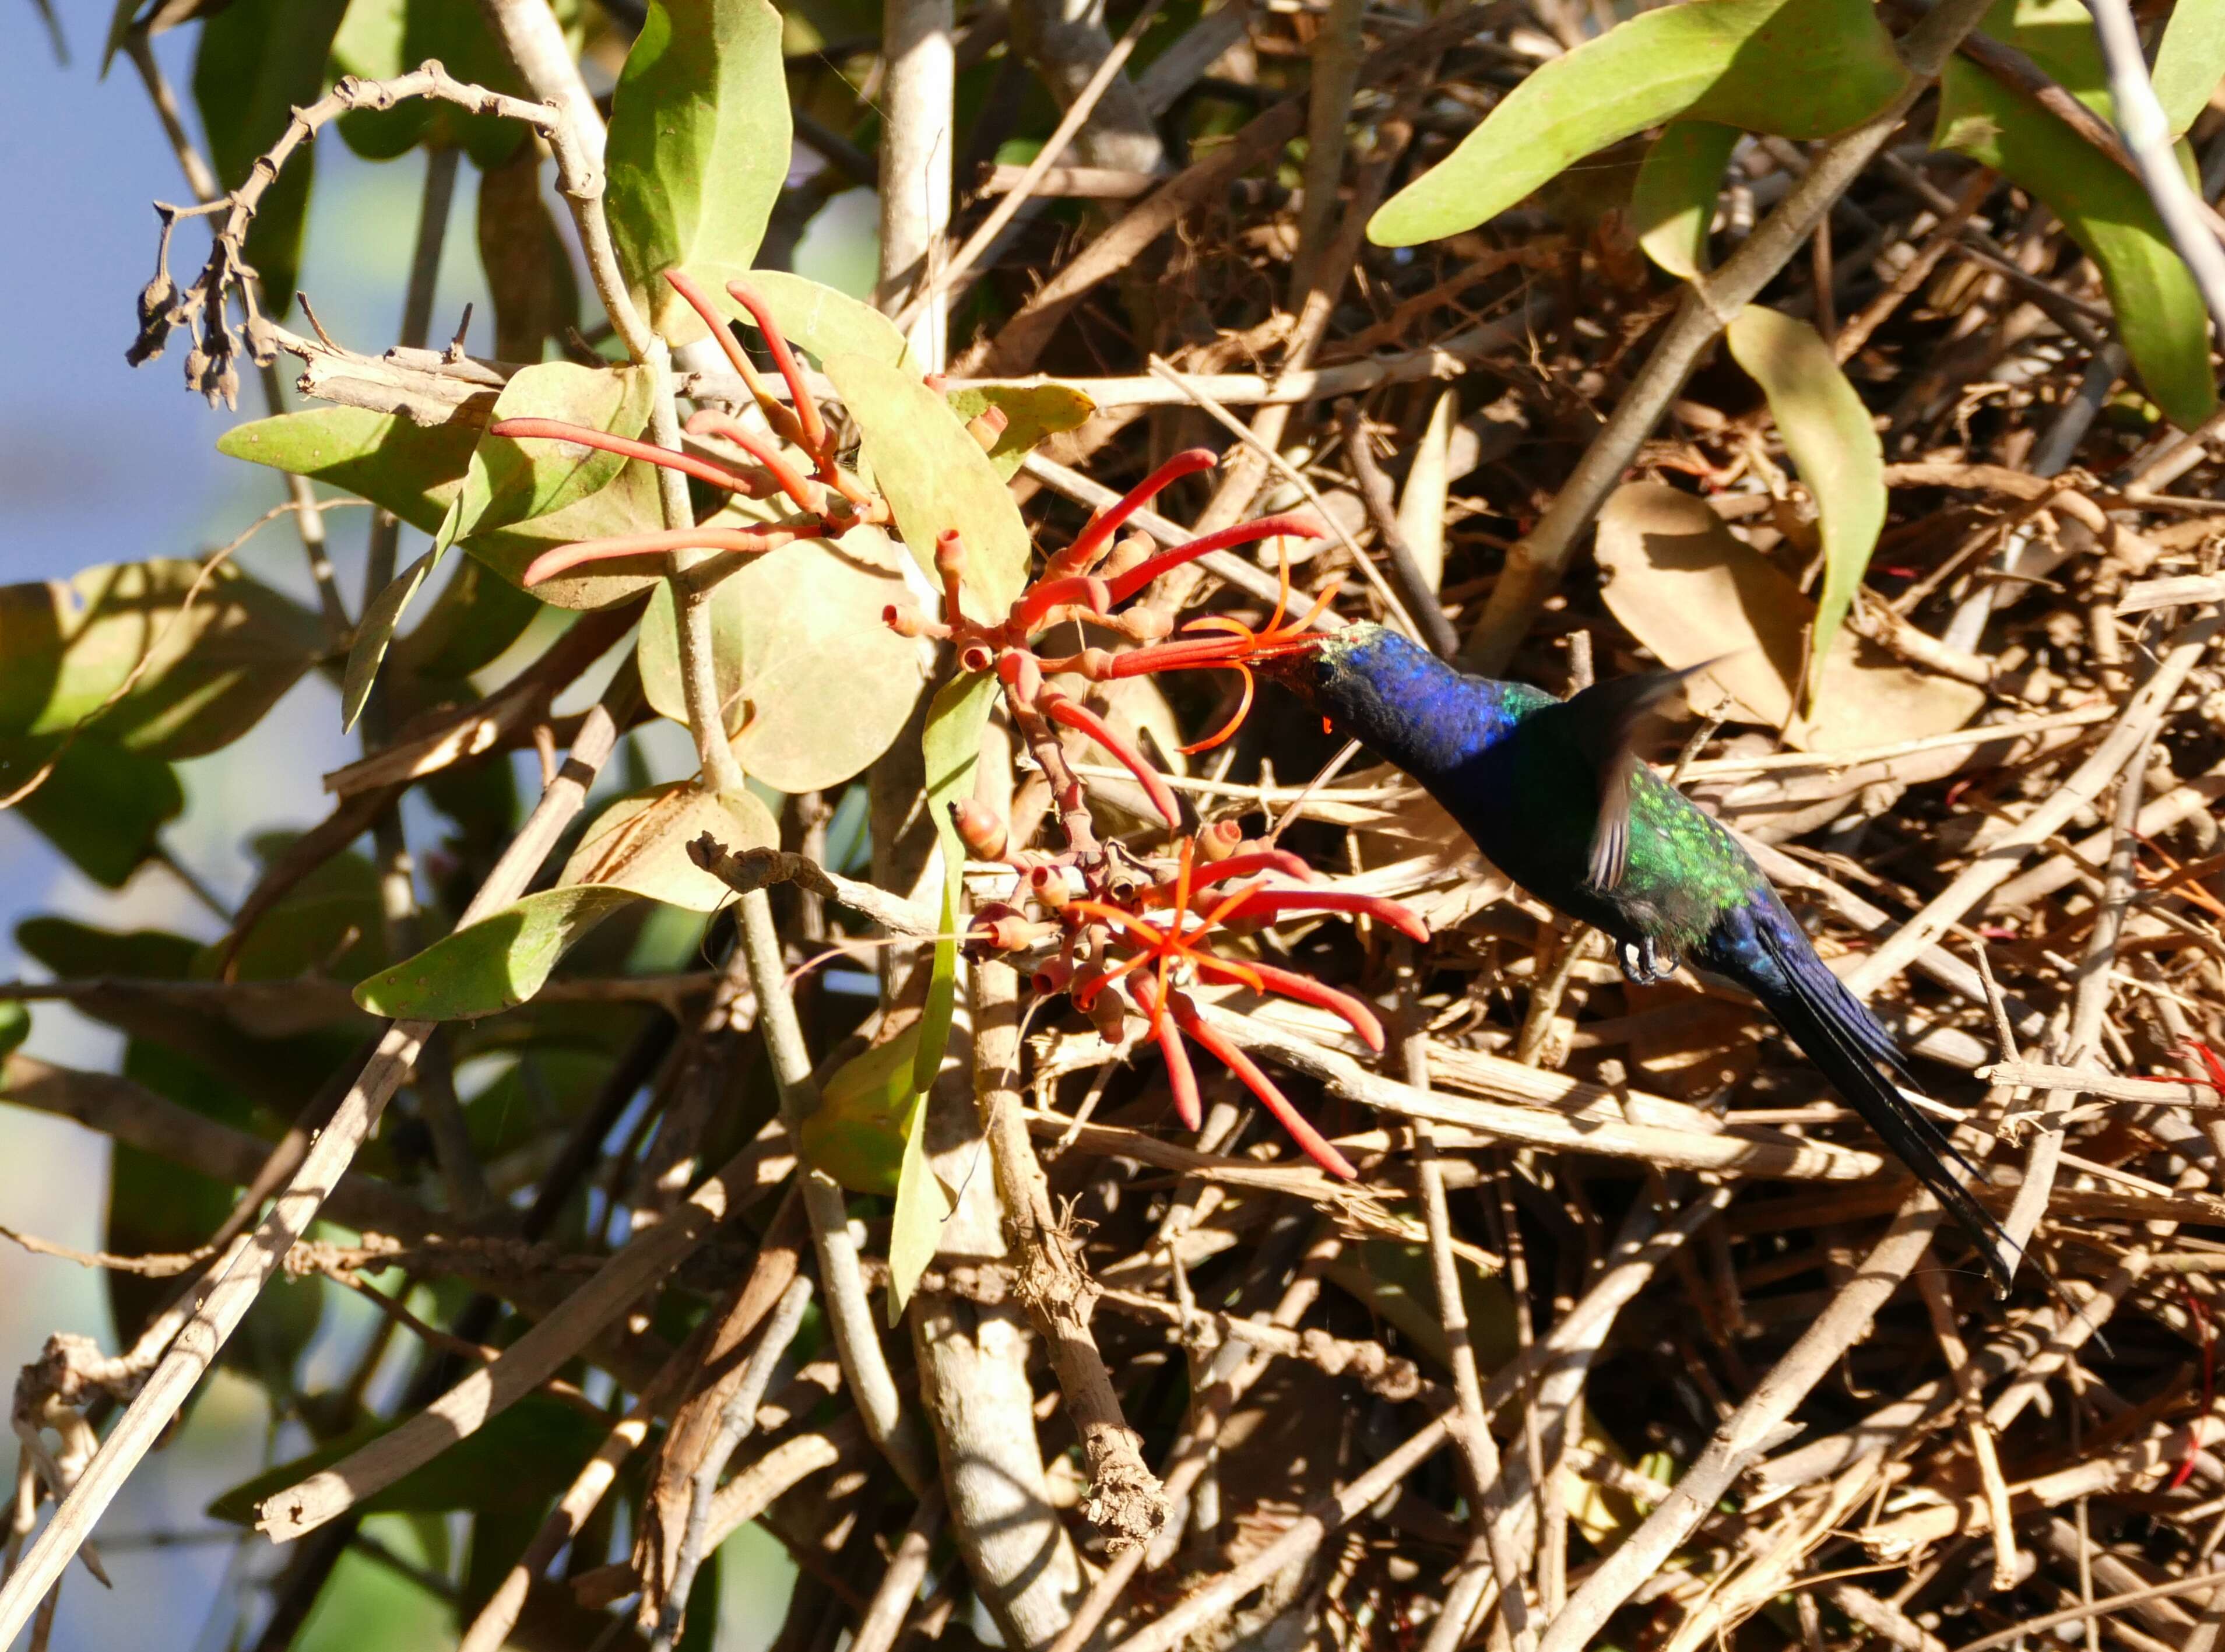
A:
(211, 670)
(516, 480)
(15, 1025)
(77, 951)
(698, 149)
(1799, 68)
(496, 963)
(952, 746)
(640, 843)
(628, 505)
(382, 39)
(935, 477)
(859, 1132)
(2190, 60)
(519, 1460)
(1675, 199)
(815, 685)
(2159, 310)
(1032, 412)
(477, 615)
(104, 807)
(374, 632)
(1827, 433)
(528, 271)
(258, 59)
(329, 923)
(415, 472)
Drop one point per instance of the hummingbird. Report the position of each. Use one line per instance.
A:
(1553, 794)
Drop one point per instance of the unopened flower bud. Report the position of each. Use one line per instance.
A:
(1219, 840)
(985, 426)
(980, 829)
(154, 298)
(949, 552)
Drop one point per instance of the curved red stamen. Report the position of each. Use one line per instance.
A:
(1075, 715)
(1311, 1141)
(702, 470)
(1090, 543)
(1243, 533)
(807, 409)
(1286, 983)
(564, 558)
(791, 480)
(1181, 1077)
(1266, 903)
(778, 413)
(1226, 732)
(1071, 590)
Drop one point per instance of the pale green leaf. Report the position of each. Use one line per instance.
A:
(414, 472)
(815, 685)
(629, 504)
(698, 149)
(639, 843)
(1032, 412)
(206, 673)
(494, 964)
(1674, 200)
(513, 480)
(1827, 433)
(922, 1206)
(820, 320)
(2159, 310)
(859, 1131)
(2190, 60)
(372, 635)
(1799, 68)
(936, 478)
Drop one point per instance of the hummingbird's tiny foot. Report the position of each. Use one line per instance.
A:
(1647, 962)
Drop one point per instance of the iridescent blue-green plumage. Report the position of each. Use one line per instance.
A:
(1542, 785)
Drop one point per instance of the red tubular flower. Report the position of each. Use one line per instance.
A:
(1311, 1142)
(564, 558)
(1074, 715)
(1259, 860)
(1181, 1077)
(1304, 988)
(1267, 902)
(778, 413)
(711, 421)
(1243, 533)
(702, 470)
(807, 410)
(1070, 589)
(1090, 545)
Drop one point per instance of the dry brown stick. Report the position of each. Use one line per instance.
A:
(1125, 1499)
(2134, 730)
(1972, 1388)
(1534, 564)
(237, 1281)
(1857, 332)
(1643, 1250)
(1748, 1430)
(898, 1589)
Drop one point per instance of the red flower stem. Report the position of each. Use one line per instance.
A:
(1075, 715)
(1289, 984)
(703, 470)
(778, 413)
(1090, 545)
(791, 481)
(1181, 1077)
(565, 558)
(1243, 533)
(807, 409)
(1311, 1142)
(1270, 902)
(1071, 590)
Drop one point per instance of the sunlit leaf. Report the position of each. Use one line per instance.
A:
(212, 669)
(935, 477)
(413, 472)
(1827, 433)
(2159, 310)
(374, 632)
(1799, 68)
(516, 480)
(2190, 61)
(922, 1206)
(497, 963)
(858, 1133)
(823, 320)
(1032, 412)
(698, 149)
(1675, 199)
(813, 684)
(640, 843)
(629, 504)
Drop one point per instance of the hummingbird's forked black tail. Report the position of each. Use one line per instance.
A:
(1835, 1032)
